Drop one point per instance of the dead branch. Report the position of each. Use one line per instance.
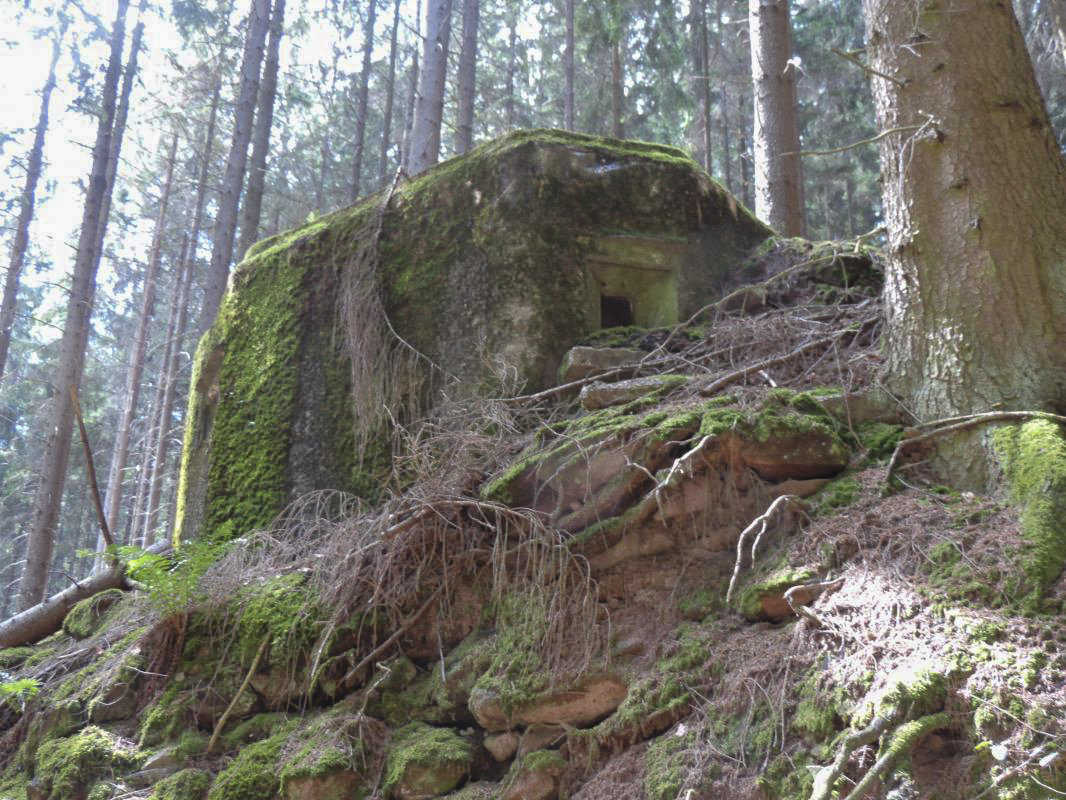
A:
(827, 777)
(953, 425)
(905, 736)
(717, 385)
(400, 631)
(211, 745)
(759, 524)
(94, 487)
(799, 596)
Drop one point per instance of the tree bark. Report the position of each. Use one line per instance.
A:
(413, 76)
(464, 129)
(390, 99)
(26, 204)
(617, 85)
(744, 155)
(568, 69)
(121, 450)
(361, 103)
(778, 176)
(975, 207)
(429, 107)
(705, 79)
(41, 542)
(236, 162)
(724, 93)
(512, 68)
(252, 208)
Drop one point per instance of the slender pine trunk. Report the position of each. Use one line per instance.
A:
(40, 545)
(390, 99)
(425, 136)
(120, 454)
(26, 204)
(705, 62)
(568, 69)
(617, 85)
(413, 76)
(361, 106)
(464, 129)
(512, 68)
(252, 208)
(236, 162)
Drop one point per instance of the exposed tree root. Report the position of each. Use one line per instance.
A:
(758, 528)
(799, 596)
(944, 427)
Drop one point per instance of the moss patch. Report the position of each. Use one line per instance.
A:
(1033, 456)
(83, 620)
(427, 761)
(189, 784)
(65, 768)
(252, 775)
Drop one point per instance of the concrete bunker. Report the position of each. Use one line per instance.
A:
(633, 280)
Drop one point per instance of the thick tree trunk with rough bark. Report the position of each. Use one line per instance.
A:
(778, 173)
(252, 208)
(361, 101)
(975, 206)
(236, 162)
(26, 205)
(429, 107)
(390, 99)
(120, 453)
(464, 129)
(40, 545)
(568, 69)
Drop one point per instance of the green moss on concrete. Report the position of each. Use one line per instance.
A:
(188, 784)
(84, 619)
(67, 767)
(252, 775)
(431, 760)
(1033, 456)
(281, 610)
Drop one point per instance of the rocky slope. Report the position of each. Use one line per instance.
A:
(683, 572)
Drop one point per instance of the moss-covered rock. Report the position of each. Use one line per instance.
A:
(84, 619)
(503, 252)
(188, 784)
(66, 768)
(253, 774)
(424, 761)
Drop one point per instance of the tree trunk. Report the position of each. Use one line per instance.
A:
(412, 93)
(429, 108)
(41, 542)
(705, 79)
(778, 176)
(617, 86)
(744, 154)
(512, 68)
(724, 94)
(849, 194)
(568, 69)
(974, 196)
(252, 208)
(168, 382)
(361, 103)
(464, 129)
(1057, 12)
(26, 205)
(236, 162)
(390, 99)
(120, 454)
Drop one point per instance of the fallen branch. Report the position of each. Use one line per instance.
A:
(717, 385)
(211, 745)
(826, 778)
(902, 740)
(45, 618)
(953, 425)
(90, 468)
(759, 523)
(799, 596)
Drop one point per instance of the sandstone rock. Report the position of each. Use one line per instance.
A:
(487, 709)
(535, 777)
(538, 737)
(795, 454)
(578, 708)
(580, 362)
(478, 790)
(601, 395)
(424, 762)
(166, 758)
(502, 746)
(870, 405)
(340, 785)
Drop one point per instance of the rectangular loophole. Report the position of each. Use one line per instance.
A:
(615, 311)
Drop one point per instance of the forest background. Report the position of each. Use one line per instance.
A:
(342, 122)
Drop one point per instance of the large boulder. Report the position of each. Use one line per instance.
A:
(497, 261)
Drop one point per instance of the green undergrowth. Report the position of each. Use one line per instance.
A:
(66, 768)
(1033, 455)
(86, 617)
(187, 784)
(281, 610)
(252, 775)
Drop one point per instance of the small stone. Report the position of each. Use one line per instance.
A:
(502, 746)
(599, 395)
(339, 785)
(580, 362)
(166, 758)
(487, 709)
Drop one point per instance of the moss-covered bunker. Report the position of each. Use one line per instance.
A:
(506, 256)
